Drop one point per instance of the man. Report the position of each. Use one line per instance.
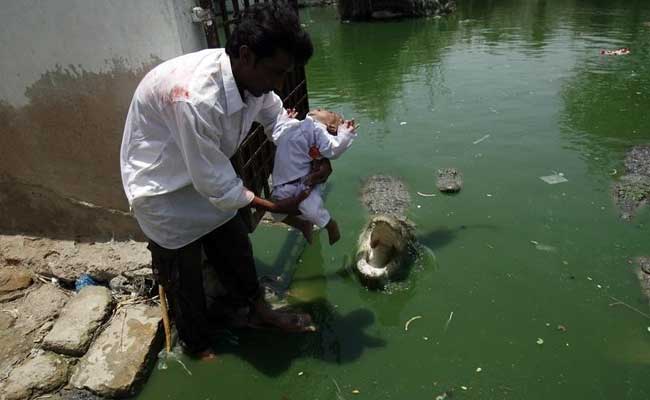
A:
(187, 118)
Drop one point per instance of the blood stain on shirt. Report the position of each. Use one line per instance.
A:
(177, 93)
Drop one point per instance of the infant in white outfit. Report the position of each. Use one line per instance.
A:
(322, 134)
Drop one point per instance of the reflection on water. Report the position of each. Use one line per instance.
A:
(607, 98)
(506, 91)
(372, 76)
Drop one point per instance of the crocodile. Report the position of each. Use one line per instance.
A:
(450, 180)
(387, 241)
(632, 191)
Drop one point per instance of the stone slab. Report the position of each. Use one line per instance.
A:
(41, 374)
(11, 280)
(80, 318)
(121, 356)
(27, 317)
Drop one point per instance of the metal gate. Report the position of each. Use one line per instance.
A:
(253, 161)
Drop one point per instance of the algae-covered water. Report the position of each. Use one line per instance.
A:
(515, 257)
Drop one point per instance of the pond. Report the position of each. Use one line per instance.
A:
(518, 300)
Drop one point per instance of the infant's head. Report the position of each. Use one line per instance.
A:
(330, 119)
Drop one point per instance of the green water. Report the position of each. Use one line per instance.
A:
(529, 75)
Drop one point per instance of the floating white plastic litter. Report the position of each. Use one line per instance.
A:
(554, 179)
(477, 141)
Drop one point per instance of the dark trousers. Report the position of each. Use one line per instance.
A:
(228, 249)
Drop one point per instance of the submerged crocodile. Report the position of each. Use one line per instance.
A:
(643, 273)
(450, 180)
(632, 191)
(386, 243)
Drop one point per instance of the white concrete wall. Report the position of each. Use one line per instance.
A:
(38, 35)
(69, 69)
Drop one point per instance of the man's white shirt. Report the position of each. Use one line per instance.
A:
(185, 121)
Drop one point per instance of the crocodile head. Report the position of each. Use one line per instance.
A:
(384, 246)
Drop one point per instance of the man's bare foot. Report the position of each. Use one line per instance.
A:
(206, 355)
(282, 320)
(333, 231)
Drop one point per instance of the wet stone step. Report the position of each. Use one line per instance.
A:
(120, 356)
(37, 375)
(80, 318)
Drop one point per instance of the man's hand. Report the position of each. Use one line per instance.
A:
(286, 206)
(290, 206)
(320, 170)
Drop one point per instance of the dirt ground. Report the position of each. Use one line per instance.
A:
(67, 260)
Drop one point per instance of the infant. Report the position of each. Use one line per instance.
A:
(322, 134)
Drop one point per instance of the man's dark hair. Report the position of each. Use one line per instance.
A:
(267, 27)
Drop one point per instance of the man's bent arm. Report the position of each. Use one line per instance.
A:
(273, 117)
(284, 206)
(210, 170)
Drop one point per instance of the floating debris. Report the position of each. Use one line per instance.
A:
(561, 328)
(481, 139)
(339, 396)
(406, 326)
(618, 52)
(554, 179)
(543, 247)
(620, 302)
(448, 321)
(445, 395)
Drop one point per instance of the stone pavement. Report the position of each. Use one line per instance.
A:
(45, 328)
